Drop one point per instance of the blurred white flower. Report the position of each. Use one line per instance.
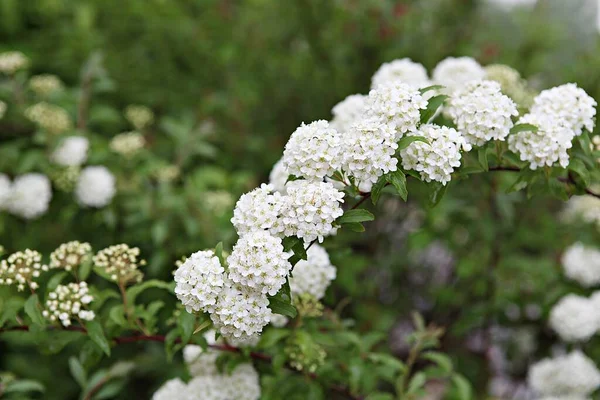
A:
(348, 111)
(95, 187)
(574, 318)
(12, 61)
(30, 196)
(582, 264)
(454, 72)
(402, 70)
(72, 151)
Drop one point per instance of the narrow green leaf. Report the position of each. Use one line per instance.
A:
(24, 385)
(355, 226)
(32, 309)
(579, 168)
(85, 268)
(55, 281)
(432, 107)
(219, 253)
(78, 371)
(202, 326)
(441, 359)
(135, 290)
(279, 306)
(357, 215)
(465, 392)
(432, 87)
(417, 382)
(377, 189)
(472, 169)
(407, 140)
(117, 315)
(523, 128)
(398, 180)
(437, 193)
(96, 333)
(187, 322)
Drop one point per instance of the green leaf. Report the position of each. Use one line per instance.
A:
(463, 387)
(10, 309)
(24, 385)
(513, 159)
(135, 290)
(295, 245)
(273, 336)
(432, 107)
(437, 193)
(579, 168)
(471, 169)
(398, 180)
(32, 309)
(378, 188)
(55, 281)
(432, 87)
(85, 268)
(187, 322)
(388, 360)
(407, 140)
(558, 189)
(282, 307)
(219, 253)
(441, 359)
(417, 382)
(96, 333)
(483, 159)
(523, 128)
(355, 226)
(78, 371)
(357, 215)
(117, 315)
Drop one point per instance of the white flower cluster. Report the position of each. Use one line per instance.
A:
(30, 196)
(402, 70)
(49, 117)
(348, 111)
(22, 268)
(68, 302)
(575, 318)
(573, 374)
(369, 152)
(569, 103)
(120, 262)
(199, 280)
(95, 187)
(481, 112)
(128, 144)
(313, 275)
(585, 208)
(582, 264)
(69, 256)
(257, 210)
(242, 384)
(454, 72)
(72, 151)
(3, 108)
(313, 151)
(139, 116)
(201, 362)
(12, 61)
(436, 160)
(398, 105)
(45, 84)
(170, 390)
(544, 147)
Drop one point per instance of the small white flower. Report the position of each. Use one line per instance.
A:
(574, 318)
(72, 151)
(95, 187)
(199, 281)
(30, 196)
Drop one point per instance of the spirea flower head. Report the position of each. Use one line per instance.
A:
(454, 72)
(139, 116)
(200, 362)
(65, 178)
(49, 117)
(72, 151)
(481, 112)
(398, 105)
(22, 268)
(567, 102)
(545, 147)
(402, 70)
(95, 187)
(257, 210)
(170, 390)
(582, 264)
(436, 160)
(259, 262)
(3, 108)
(68, 302)
(511, 82)
(199, 280)
(13, 61)
(348, 111)
(310, 210)
(313, 275)
(5, 190)
(570, 375)
(243, 383)
(313, 151)
(167, 173)
(30, 196)
(574, 318)
(127, 144)
(585, 208)
(369, 148)
(45, 84)
(278, 177)
(120, 263)
(241, 312)
(69, 256)
(278, 320)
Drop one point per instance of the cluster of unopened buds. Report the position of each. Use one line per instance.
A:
(68, 302)
(49, 117)
(120, 263)
(21, 269)
(69, 256)
(127, 144)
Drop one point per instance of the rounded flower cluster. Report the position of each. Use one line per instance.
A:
(199, 280)
(12, 61)
(582, 264)
(481, 112)
(139, 116)
(120, 262)
(258, 261)
(348, 111)
(257, 210)
(127, 144)
(45, 84)
(5, 190)
(574, 318)
(69, 256)
(402, 70)
(65, 178)
(22, 268)
(68, 302)
(241, 312)
(95, 187)
(3, 108)
(310, 210)
(72, 151)
(585, 208)
(436, 160)
(30, 196)
(171, 389)
(313, 151)
(167, 173)
(369, 150)
(573, 374)
(200, 362)
(454, 72)
(313, 275)
(242, 384)
(398, 105)
(569, 103)
(544, 147)
(278, 177)
(49, 117)
(511, 82)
